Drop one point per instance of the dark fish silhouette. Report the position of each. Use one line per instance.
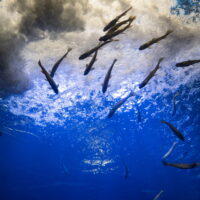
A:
(49, 78)
(170, 150)
(158, 195)
(151, 74)
(113, 34)
(114, 21)
(107, 77)
(181, 165)
(88, 53)
(174, 103)
(56, 65)
(89, 66)
(126, 171)
(187, 63)
(175, 130)
(118, 25)
(120, 103)
(154, 40)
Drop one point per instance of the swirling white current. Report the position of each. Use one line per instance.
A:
(154, 18)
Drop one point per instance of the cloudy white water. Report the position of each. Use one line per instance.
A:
(45, 29)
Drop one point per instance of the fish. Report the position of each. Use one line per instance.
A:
(174, 103)
(187, 63)
(138, 114)
(115, 20)
(151, 74)
(65, 169)
(107, 77)
(56, 65)
(181, 165)
(126, 171)
(120, 103)
(154, 40)
(49, 78)
(118, 25)
(88, 53)
(170, 150)
(1, 133)
(89, 66)
(175, 130)
(158, 195)
(113, 34)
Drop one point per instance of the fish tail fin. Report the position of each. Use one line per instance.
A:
(161, 59)
(69, 49)
(164, 162)
(169, 31)
(131, 93)
(131, 18)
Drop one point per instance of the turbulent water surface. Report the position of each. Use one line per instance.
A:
(64, 146)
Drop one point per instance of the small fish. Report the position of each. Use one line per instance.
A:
(174, 103)
(187, 63)
(182, 165)
(175, 130)
(88, 53)
(151, 74)
(107, 77)
(115, 20)
(170, 150)
(158, 195)
(55, 67)
(113, 34)
(118, 25)
(65, 169)
(126, 171)
(154, 40)
(49, 78)
(120, 103)
(89, 66)
(138, 114)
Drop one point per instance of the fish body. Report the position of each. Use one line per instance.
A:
(56, 65)
(118, 25)
(154, 40)
(126, 171)
(170, 150)
(115, 20)
(49, 78)
(88, 53)
(174, 129)
(187, 63)
(107, 77)
(138, 114)
(113, 34)
(174, 103)
(120, 103)
(151, 74)
(158, 195)
(89, 66)
(182, 165)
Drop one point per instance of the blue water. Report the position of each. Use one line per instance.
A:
(83, 158)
